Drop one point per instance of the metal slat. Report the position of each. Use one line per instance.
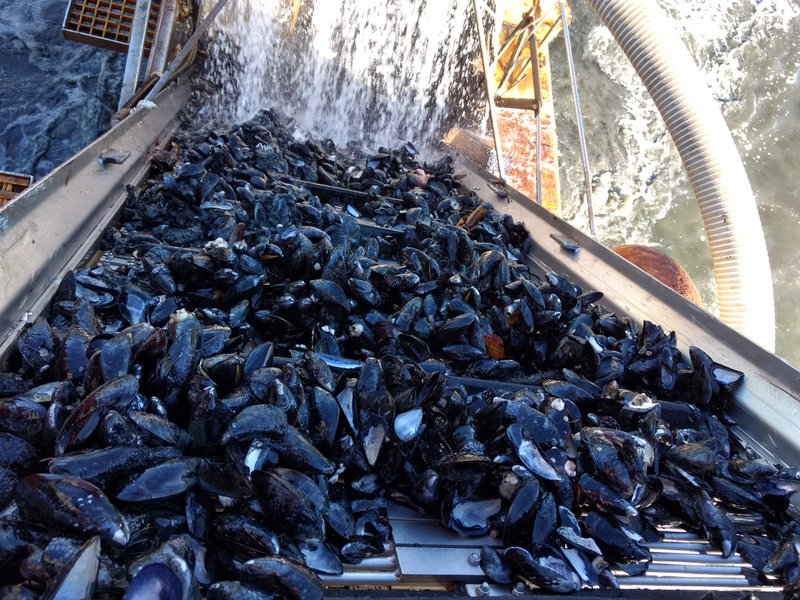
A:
(672, 534)
(364, 578)
(439, 563)
(432, 533)
(694, 570)
(683, 582)
(699, 558)
(684, 546)
(376, 563)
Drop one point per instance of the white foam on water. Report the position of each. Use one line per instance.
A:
(641, 192)
(721, 35)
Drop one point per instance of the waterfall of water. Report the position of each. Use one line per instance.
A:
(375, 73)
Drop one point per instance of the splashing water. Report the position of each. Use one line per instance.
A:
(378, 73)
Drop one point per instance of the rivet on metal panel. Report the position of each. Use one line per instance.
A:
(518, 589)
(474, 559)
(483, 589)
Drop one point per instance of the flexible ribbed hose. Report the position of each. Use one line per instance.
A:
(712, 162)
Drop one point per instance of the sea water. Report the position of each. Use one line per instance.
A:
(56, 96)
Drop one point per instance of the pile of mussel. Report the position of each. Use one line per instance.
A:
(283, 336)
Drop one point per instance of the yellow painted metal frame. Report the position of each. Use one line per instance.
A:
(515, 98)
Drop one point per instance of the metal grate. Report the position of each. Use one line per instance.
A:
(12, 184)
(107, 23)
(425, 555)
(476, 147)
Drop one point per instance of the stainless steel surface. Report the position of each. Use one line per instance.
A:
(446, 564)
(48, 229)
(537, 92)
(487, 74)
(356, 577)
(133, 62)
(587, 177)
(157, 59)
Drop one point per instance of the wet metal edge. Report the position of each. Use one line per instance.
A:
(46, 231)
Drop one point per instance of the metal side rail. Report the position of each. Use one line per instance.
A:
(47, 230)
(766, 408)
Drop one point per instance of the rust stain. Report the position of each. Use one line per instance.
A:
(517, 125)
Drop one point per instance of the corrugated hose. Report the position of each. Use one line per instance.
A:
(711, 160)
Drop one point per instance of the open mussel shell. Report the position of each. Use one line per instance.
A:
(494, 567)
(134, 305)
(408, 425)
(617, 546)
(321, 559)
(155, 581)
(547, 571)
(164, 480)
(36, 345)
(464, 466)
(236, 590)
(79, 576)
(470, 517)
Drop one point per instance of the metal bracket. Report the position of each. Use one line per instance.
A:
(113, 157)
(566, 243)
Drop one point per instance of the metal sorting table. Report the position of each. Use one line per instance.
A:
(37, 250)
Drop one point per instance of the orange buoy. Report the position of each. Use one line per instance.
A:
(663, 267)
